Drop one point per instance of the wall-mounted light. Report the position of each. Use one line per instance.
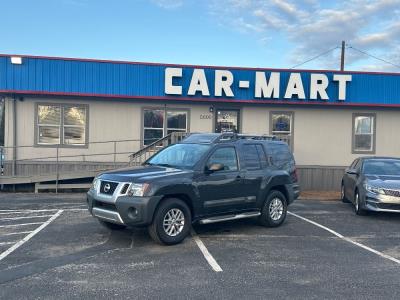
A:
(16, 60)
(211, 109)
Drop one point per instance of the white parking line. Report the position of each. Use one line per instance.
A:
(28, 217)
(6, 243)
(24, 211)
(29, 236)
(28, 211)
(207, 255)
(15, 233)
(397, 261)
(23, 224)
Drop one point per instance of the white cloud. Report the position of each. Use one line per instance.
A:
(314, 26)
(168, 4)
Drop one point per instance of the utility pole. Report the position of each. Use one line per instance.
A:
(342, 57)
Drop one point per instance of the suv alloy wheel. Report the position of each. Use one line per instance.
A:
(274, 210)
(171, 223)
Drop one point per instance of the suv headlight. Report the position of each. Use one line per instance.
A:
(138, 189)
(95, 184)
(375, 190)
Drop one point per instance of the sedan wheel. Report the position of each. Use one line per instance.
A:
(357, 206)
(343, 195)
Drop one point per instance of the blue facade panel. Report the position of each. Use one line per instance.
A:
(61, 76)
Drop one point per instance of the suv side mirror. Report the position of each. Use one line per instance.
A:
(214, 168)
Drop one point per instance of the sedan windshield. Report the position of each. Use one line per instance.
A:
(179, 155)
(382, 167)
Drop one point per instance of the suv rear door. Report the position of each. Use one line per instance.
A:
(253, 161)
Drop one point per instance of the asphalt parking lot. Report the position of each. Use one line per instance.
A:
(50, 247)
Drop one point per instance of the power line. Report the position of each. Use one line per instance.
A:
(315, 57)
(373, 56)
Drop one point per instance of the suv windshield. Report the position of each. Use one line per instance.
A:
(382, 167)
(179, 155)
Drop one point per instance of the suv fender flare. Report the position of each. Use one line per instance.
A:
(282, 183)
(181, 191)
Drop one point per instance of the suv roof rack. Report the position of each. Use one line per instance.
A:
(211, 138)
(230, 136)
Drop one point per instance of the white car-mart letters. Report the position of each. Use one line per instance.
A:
(264, 88)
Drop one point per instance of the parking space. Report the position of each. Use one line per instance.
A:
(74, 257)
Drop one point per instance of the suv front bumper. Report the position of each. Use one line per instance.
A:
(124, 210)
(293, 191)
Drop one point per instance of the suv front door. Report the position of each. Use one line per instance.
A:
(221, 191)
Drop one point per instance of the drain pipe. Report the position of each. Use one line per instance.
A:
(14, 165)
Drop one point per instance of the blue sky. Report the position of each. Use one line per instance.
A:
(253, 33)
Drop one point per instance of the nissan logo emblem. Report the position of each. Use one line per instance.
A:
(107, 187)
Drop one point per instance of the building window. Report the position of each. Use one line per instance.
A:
(281, 126)
(176, 121)
(59, 124)
(160, 122)
(364, 133)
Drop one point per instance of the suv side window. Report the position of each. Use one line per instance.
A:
(225, 156)
(251, 157)
(262, 155)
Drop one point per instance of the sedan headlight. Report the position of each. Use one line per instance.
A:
(375, 190)
(96, 184)
(138, 189)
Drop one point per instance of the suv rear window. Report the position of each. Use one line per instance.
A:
(281, 156)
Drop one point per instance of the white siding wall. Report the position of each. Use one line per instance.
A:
(322, 136)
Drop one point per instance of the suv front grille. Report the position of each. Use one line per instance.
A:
(393, 193)
(108, 187)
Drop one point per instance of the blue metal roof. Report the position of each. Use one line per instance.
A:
(112, 79)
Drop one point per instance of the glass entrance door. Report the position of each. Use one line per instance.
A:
(227, 120)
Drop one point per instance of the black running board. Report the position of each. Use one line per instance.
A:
(230, 217)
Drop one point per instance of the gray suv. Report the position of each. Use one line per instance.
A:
(206, 178)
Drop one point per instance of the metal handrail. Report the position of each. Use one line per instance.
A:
(164, 141)
(147, 147)
(70, 156)
(80, 145)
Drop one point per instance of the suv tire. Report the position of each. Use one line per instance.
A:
(112, 226)
(171, 223)
(274, 210)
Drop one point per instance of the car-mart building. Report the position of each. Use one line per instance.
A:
(90, 109)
